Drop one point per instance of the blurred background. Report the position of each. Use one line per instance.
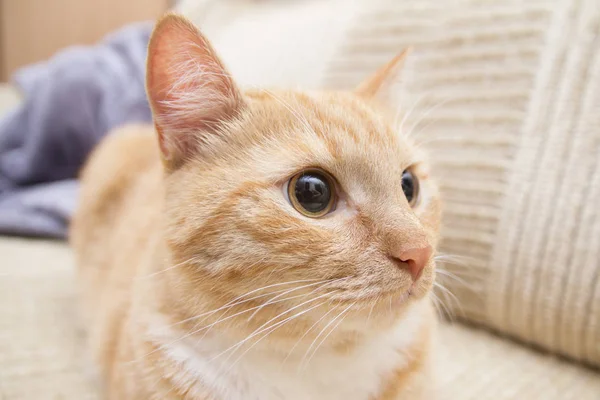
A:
(503, 94)
(33, 30)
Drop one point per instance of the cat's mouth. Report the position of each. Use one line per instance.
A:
(402, 298)
(394, 293)
(393, 298)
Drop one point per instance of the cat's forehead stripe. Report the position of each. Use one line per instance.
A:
(337, 117)
(346, 127)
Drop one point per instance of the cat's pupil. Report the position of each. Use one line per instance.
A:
(410, 186)
(313, 192)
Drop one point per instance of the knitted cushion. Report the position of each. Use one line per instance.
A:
(506, 95)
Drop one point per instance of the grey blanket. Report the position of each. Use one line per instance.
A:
(70, 103)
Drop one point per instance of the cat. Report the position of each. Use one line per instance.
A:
(257, 244)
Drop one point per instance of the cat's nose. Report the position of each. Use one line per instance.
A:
(414, 260)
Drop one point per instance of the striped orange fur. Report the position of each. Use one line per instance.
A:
(201, 281)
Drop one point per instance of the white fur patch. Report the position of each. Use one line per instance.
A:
(330, 375)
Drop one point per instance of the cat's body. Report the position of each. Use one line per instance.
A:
(201, 281)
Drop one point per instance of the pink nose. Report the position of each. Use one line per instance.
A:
(414, 260)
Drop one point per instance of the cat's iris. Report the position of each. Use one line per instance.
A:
(312, 193)
(410, 187)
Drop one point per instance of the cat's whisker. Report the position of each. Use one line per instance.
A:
(272, 300)
(229, 304)
(438, 139)
(415, 135)
(449, 293)
(273, 328)
(330, 332)
(447, 312)
(472, 288)
(318, 336)
(162, 271)
(196, 331)
(415, 104)
(220, 320)
(261, 328)
(301, 287)
(306, 333)
(371, 311)
(407, 115)
(410, 131)
(258, 309)
(452, 276)
(189, 334)
(436, 304)
(463, 261)
(465, 267)
(461, 274)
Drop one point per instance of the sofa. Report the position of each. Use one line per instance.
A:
(501, 93)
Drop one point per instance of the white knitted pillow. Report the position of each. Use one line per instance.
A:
(505, 95)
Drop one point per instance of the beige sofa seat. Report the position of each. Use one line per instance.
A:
(43, 353)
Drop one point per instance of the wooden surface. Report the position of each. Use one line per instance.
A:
(33, 30)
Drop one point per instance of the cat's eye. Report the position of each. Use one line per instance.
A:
(410, 187)
(312, 193)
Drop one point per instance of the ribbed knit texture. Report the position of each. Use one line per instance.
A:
(506, 96)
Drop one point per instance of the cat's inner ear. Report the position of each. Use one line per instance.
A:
(189, 89)
(384, 84)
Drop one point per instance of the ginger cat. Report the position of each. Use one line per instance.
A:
(269, 245)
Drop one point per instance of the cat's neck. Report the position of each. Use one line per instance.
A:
(266, 374)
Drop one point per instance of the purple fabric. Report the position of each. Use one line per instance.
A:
(70, 103)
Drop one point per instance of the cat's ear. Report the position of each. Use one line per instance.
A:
(382, 84)
(189, 89)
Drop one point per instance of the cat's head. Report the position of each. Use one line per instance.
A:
(287, 199)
